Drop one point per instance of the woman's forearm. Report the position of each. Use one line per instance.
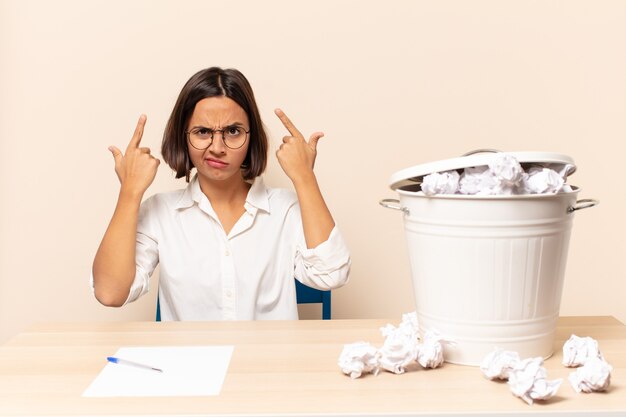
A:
(114, 264)
(317, 220)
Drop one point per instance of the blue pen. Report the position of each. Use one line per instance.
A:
(120, 361)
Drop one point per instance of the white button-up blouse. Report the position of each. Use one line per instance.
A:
(248, 274)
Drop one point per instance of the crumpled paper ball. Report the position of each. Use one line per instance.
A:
(508, 173)
(441, 183)
(477, 181)
(577, 350)
(430, 351)
(358, 358)
(399, 349)
(594, 375)
(499, 363)
(527, 380)
(542, 181)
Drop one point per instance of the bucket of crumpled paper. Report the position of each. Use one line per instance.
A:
(488, 237)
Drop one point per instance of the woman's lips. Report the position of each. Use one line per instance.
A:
(215, 163)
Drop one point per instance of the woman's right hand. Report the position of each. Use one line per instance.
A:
(136, 168)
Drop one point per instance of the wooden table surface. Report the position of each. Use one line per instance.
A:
(284, 368)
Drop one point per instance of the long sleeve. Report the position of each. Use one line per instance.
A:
(325, 267)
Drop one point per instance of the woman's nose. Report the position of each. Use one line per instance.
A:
(217, 144)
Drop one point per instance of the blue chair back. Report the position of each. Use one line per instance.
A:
(304, 295)
(307, 295)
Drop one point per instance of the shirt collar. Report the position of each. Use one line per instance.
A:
(190, 195)
(257, 196)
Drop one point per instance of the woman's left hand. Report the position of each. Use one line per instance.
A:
(296, 155)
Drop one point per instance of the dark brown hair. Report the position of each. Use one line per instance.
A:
(214, 82)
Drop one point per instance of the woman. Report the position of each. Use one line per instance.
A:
(228, 246)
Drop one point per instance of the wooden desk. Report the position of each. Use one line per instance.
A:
(283, 368)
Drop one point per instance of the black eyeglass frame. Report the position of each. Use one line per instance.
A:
(213, 132)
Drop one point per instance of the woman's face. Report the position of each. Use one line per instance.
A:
(218, 162)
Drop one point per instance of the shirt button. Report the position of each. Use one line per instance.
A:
(229, 294)
(227, 253)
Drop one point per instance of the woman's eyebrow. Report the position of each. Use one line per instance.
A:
(227, 125)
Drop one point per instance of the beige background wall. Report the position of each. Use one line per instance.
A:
(392, 84)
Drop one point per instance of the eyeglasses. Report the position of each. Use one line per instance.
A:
(234, 137)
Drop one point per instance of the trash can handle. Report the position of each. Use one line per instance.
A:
(583, 204)
(481, 151)
(394, 204)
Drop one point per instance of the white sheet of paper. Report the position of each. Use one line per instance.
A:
(187, 371)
